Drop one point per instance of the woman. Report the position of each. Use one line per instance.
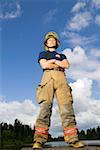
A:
(54, 82)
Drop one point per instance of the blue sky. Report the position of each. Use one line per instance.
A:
(23, 25)
(22, 40)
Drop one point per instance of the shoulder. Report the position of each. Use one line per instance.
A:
(63, 56)
(42, 55)
(42, 52)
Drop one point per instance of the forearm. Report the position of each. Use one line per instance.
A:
(50, 65)
(53, 63)
(63, 64)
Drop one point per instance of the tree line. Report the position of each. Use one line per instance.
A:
(18, 134)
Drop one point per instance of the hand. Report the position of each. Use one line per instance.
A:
(57, 62)
(63, 63)
(52, 60)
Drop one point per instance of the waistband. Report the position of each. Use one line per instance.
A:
(58, 69)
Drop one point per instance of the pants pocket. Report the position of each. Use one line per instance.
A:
(41, 94)
(70, 92)
(67, 90)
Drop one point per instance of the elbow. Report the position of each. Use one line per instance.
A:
(67, 65)
(44, 66)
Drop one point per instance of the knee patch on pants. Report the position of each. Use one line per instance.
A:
(67, 114)
(45, 113)
(46, 109)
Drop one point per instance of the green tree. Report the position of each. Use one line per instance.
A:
(98, 133)
(82, 134)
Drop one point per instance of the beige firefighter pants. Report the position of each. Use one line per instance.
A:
(55, 82)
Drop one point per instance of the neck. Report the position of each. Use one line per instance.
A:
(51, 49)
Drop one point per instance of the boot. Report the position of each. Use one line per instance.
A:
(77, 144)
(37, 146)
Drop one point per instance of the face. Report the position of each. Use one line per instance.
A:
(51, 42)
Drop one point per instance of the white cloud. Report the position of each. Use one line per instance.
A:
(97, 19)
(83, 15)
(2, 98)
(10, 10)
(56, 124)
(75, 39)
(86, 108)
(96, 3)
(80, 21)
(95, 52)
(78, 6)
(25, 111)
(84, 70)
(77, 56)
(50, 16)
(82, 64)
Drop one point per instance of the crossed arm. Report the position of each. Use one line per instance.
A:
(53, 63)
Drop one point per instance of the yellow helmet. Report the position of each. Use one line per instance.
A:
(49, 35)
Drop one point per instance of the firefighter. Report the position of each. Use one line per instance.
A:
(54, 81)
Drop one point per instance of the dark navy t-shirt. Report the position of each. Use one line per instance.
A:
(51, 55)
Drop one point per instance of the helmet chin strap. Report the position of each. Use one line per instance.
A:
(51, 46)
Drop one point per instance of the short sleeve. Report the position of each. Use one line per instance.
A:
(63, 56)
(41, 56)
